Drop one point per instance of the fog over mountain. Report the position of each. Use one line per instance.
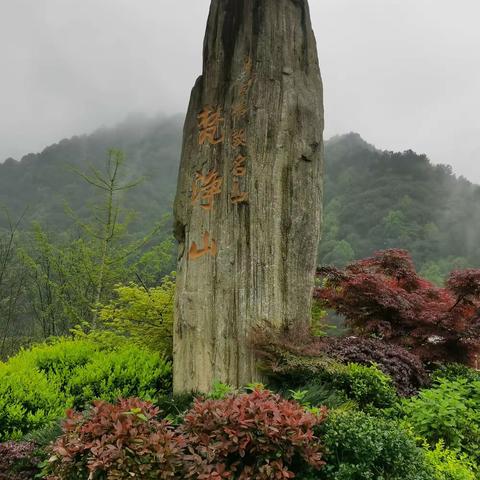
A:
(404, 74)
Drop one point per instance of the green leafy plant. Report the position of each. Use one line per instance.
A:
(315, 397)
(450, 411)
(455, 371)
(448, 465)
(220, 391)
(363, 447)
(367, 386)
(143, 314)
(38, 385)
(316, 394)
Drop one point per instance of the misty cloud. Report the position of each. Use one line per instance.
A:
(402, 73)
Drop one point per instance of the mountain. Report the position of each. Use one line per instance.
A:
(373, 199)
(40, 185)
(379, 199)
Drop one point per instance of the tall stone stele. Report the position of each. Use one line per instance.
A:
(248, 204)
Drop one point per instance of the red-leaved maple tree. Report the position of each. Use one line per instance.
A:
(384, 296)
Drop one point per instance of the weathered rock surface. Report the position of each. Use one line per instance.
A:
(246, 212)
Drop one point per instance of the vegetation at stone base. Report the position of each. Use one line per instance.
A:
(38, 385)
(207, 439)
(384, 296)
(123, 440)
(240, 436)
(292, 359)
(18, 461)
(449, 465)
(237, 437)
(367, 386)
(407, 202)
(448, 412)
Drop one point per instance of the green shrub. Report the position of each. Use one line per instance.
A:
(448, 465)
(38, 385)
(318, 394)
(56, 360)
(28, 401)
(450, 411)
(146, 316)
(362, 447)
(367, 386)
(127, 372)
(455, 371)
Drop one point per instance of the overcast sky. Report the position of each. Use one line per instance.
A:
(405, 74)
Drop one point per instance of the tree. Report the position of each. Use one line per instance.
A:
(341, 254)
(144, 314)
(12, 284)
(383, 296)
(73, 273)
(61, 280)
(107, 228)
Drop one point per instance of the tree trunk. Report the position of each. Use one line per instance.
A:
(248, 204)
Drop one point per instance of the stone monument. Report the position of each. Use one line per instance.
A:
(248, 204)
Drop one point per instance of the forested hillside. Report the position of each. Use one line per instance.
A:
(374, 199)
(42, 184)
(377, 200)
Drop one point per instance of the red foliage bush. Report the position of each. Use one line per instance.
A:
(120, 441)
(252, 436)
(18, 461)
(384, 296)
(296, 357)
(405, 369)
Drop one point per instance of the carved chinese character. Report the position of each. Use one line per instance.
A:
(208, 249)
(245, 87)
(209, 120)
(239, 138)
(205, 187)
(239, 109)
(239, 169)
(237, 195)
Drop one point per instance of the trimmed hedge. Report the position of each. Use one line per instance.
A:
(39, 384)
